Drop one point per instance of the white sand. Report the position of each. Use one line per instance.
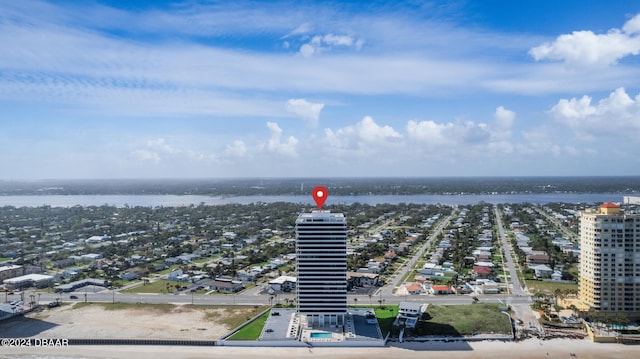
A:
(96, 322)
(559, 348)
(184, 323)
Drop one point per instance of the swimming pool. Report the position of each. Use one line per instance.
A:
(317, 335)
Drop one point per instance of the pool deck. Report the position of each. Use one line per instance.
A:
(284, 327)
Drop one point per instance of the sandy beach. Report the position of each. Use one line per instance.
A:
(185, 323)
(528, 349)
(95, 321)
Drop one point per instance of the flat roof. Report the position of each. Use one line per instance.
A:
(28, 277)
(326, 216)
(282, 279)
(9, 267)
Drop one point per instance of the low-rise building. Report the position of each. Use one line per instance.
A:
(10, 271)
(29, 280)
(362, 279)
(414, 288)
(283, 284)
(486, 286)
(538, 257)
(440, 289)
(226, 285)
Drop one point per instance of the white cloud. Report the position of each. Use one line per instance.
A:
(276, 146)
(237, 149)
(307, 110)
(617, 115)
(585, 48)
(574, 108)
(504, 118)
(632, 26)
(433, 134)
(160, 145)
(300, 30)
(428, 132)
(366, 134)
(321, 43)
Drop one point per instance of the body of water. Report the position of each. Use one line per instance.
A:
(174, 200)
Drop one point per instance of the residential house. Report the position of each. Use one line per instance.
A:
(486, 286)
(283, 284)
(440, 289)
(411, 309)
(175, 275)
(362, 279)
(390, 256)
(538, 257)
(130, 275)
(226, 285)
(461, 289)
(482, 271)
(542, 270)
(414, 288)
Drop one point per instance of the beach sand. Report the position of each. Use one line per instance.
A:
(184, 323)
(528, 349)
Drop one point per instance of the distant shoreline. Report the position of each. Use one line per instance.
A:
(153, 200)
(342, 186)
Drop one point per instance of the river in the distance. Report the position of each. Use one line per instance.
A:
(186, 200)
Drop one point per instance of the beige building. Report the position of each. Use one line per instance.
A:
(610, 262)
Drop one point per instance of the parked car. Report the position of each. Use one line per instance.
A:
(73, 297)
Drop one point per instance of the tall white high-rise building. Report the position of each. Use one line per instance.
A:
(610, 261)
(321, 253)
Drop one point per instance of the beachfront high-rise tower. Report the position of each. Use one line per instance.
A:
(610, 262)
(321, 251)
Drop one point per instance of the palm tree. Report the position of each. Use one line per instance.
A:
(355, 301)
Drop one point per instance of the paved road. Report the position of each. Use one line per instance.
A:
(240, 299)
(572, 236)
(387, 290)
(515, 281)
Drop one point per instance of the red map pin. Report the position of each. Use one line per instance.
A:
(320, 195)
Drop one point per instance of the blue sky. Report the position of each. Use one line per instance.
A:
(120, 89)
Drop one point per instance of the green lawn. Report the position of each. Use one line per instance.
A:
(549, 287)
(158, 286)
(252, 330)
(386, 317)
(408, 277)
(461, 320)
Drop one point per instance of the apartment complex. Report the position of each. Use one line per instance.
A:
(321, 250)
(610, 261)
